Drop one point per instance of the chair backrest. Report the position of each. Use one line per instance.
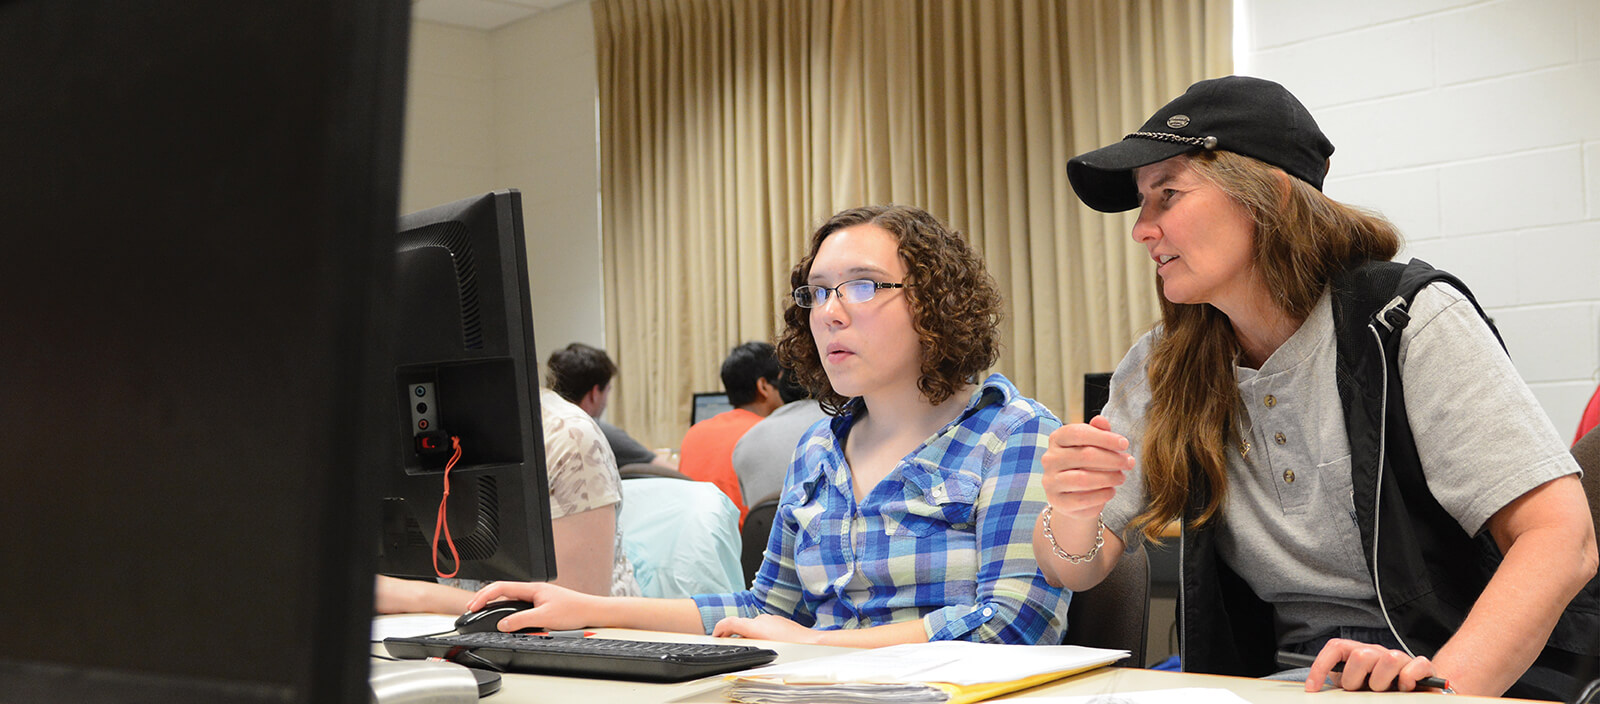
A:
(681, 536)
(1115, 613)
(1587, 452)
(754, 533)
(1589, 694)
(642, 469)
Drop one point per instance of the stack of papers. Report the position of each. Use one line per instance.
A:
(942, 672)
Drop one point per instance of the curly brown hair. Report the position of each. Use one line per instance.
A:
(955, 305)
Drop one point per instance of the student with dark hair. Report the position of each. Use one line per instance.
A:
(583, 375)
(1360, 474)
(906, 516)
(750, 373)
(750, 378)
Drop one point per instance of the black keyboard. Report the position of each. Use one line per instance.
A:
(583, 657)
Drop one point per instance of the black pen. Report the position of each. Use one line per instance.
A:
(1299, 660)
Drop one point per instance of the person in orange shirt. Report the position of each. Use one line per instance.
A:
(750, 378)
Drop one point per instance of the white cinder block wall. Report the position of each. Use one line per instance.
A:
(1475, 126)
(515, 108)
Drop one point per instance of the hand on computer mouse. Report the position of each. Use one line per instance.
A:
(542, 606)
(488, 618)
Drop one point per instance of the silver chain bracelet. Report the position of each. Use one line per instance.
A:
(1099, 540)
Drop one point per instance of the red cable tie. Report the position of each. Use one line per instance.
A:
(456, 443)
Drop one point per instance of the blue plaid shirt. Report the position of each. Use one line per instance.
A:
(946, 537)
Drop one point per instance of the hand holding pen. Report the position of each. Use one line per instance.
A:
(1366, 666)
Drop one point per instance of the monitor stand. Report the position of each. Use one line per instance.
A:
(429, 682)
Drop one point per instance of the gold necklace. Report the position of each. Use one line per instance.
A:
(1246, 433)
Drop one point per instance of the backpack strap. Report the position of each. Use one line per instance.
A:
(1371, 307)
(1394, 315)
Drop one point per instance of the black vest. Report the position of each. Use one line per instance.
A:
(1427, 572)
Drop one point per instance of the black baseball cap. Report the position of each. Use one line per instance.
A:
(1240, 114)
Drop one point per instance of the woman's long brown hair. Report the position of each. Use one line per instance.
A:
(1302, 239)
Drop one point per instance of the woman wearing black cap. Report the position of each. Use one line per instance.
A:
(1347, 445)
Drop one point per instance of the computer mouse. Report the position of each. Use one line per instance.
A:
(488, 617)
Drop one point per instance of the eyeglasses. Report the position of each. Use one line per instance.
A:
(857, 291)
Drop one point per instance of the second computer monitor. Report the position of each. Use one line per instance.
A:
(1096, 391)
(465, 376)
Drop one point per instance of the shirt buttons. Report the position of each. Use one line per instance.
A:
(1270, 400)
(1280, 438)
(988, 611)
(1288, 476)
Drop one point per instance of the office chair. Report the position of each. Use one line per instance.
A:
(643, 469)
(1590, 694)
(754, 533)
(1587, 453)
(1116, 612)
(681, 536)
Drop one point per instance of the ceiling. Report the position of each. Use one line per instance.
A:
(482, 15)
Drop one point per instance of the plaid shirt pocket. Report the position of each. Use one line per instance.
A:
(933, 500)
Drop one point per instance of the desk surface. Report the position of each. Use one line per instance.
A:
(1107, 680)
(518, 688)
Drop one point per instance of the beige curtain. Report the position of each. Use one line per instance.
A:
(730, 129)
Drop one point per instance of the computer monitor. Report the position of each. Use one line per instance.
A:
(199, 204)
(708, 404)
(1096, 391)
(465, 369)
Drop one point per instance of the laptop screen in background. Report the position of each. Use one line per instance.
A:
(707, 405)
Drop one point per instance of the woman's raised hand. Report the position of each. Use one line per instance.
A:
(1083, 467)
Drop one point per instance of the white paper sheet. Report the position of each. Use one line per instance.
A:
(411, 625)
(955, 662)
(1189, 695)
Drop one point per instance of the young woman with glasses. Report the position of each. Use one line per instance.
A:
(906, 516)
